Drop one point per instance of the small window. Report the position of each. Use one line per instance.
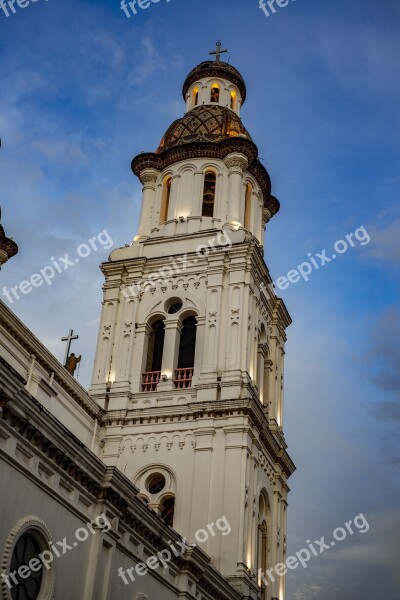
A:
(173, 305)
(233, 100)
(166, 195)
(210, 181)
(215, 93)
(174, 308)
(195, 97)
(156, 483)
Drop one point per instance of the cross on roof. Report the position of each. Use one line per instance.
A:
(69, 339)
(218, 52)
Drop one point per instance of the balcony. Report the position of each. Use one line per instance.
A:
(183, 378)
(150, 381)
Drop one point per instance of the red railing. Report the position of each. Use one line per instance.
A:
(183, 378)
(150, 381)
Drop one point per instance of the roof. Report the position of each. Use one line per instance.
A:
(205, 123)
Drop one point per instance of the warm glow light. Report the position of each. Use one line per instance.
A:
(248, 559)
(235, 225)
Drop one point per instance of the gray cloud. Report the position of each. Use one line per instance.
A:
(385, 245)
(358, 567)
(384, 354)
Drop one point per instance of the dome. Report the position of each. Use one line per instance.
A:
(215, 69)
(204, 124)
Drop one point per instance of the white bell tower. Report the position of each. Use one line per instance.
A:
(189, 359)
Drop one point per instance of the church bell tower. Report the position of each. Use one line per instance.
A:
(190, 352)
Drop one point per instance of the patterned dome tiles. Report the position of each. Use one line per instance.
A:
(203, 124)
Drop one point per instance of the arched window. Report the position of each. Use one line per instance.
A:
(158, 488)
(215, 93)
(27, 548)
(195, 96)
(26, 541)
(210, 181)
(166, 195)
(155, 348)
(233, 100)
(261, 355)
(262, 535)
(247, 207)
(167, 510)
(187, 348)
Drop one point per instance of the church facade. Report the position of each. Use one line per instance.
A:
(176, 457)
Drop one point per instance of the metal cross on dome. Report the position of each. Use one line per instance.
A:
(218, 52)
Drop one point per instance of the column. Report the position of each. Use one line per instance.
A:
(275, 550)
(197, 193)
(172, 336)
(236, 163)
(148, 178)
(204, 95)
(199, 353)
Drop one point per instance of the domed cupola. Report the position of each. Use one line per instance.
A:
(215, 83)
(204, 124)
(206, 173)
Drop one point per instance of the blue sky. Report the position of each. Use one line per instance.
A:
(84, 89)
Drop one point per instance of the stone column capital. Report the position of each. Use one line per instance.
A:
(148, 178)
(236, 162)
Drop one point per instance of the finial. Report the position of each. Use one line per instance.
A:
(218, 52)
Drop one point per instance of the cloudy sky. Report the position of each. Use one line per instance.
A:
(83, 89)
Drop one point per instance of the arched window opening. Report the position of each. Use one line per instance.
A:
(195, 96)
(187, 348)
(262, 537)
(262, 350)
(233, 100)
(215, 93)
(166, 195)
(247, 207)
(210, 182)
(155, 348)
(167, 510)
